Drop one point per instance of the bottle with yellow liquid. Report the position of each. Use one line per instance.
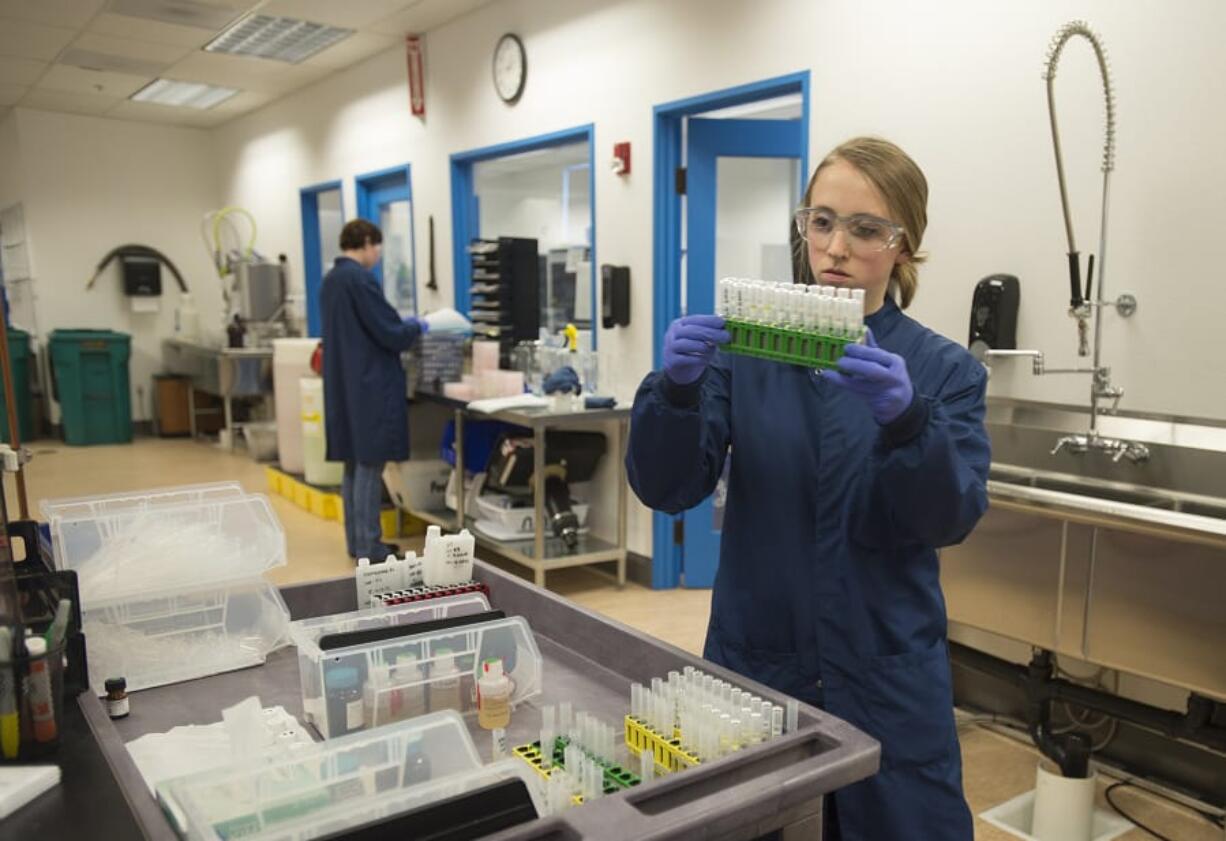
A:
(493, 696)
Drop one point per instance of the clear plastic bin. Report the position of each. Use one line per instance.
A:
(334, 786)
(124, 546)
(346, 690)
(181, 634)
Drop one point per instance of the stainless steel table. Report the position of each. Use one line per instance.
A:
(542, 552)
(224, 372)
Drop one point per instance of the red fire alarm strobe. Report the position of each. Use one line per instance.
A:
(621, 159)
(417, 82)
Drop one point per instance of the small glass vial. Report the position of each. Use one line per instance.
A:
(117, 697)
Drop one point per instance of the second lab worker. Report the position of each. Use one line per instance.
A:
(842, 486)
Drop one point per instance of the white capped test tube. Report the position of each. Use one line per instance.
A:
(812, 306)
(776, 721)
(857, 295)
(755, 728)
(548, 738)
(723, 290)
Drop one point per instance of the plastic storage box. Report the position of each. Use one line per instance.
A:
(171, 580)
(90, 374)
(354, 688)
(418, 485)
(328, 788)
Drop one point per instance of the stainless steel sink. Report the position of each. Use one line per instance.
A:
(1092, 489)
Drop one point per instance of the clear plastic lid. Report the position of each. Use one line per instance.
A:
(306, 633)
(329, 787)
(124, 546)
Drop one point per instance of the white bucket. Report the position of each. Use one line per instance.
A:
(291, 361)
(1063, 806)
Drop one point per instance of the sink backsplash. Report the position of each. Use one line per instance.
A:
(1186, 456)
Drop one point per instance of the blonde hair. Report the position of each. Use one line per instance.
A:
(902, 185)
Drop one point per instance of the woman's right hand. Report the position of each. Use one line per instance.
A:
(689, 346)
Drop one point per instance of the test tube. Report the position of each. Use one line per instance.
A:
(776, 721)
(647, 765)
(857, 295)
(498, 747)
(755, 728)
(793, 715)
(721, 297)
(636, 690)
(564, 714)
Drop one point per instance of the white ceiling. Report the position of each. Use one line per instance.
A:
(89, 56)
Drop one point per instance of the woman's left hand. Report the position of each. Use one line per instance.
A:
(877, 377)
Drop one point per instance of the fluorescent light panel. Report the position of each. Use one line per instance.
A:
(276, 38)
(183, 94)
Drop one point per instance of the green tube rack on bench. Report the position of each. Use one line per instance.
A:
(781, 344)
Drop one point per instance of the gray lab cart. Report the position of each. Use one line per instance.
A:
(589, 661)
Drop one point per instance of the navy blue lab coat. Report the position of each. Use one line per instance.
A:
(366, 414)
(828, 586)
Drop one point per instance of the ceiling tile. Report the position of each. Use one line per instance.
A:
(122, 26)
(148, 112)
(424, 16)
(212, 16)
(20, 71)
(150, 51)
(61, 77)
(33, 40)
(348, 15)
(249, 74)
(73, 103)
(351, 50)
(71, 14)
(9, 94)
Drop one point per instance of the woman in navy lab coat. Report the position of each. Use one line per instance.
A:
(842, 487)
(367, 420)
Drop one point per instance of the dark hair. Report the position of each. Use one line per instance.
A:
(357, 233)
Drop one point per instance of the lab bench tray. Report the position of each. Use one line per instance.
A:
(589, 661)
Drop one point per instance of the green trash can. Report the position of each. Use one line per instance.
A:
(90, 379)
(19, 359)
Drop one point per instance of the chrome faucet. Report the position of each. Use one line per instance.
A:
(1117, 448)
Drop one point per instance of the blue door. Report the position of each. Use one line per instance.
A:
(386, 198)
(323, 216)
(743, 180)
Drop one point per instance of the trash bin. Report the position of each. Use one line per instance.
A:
(90, 381)
(19, 359)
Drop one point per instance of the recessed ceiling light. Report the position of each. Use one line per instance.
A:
(183, 94)
(280, 39)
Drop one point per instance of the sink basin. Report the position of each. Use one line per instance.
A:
(1144, 497)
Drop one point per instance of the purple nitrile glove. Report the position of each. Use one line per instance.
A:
(422, 324)
(877, 377)
(689, 346)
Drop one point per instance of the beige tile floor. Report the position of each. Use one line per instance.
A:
(997, 768)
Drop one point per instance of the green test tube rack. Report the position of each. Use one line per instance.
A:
(615, 776)
(784, 344)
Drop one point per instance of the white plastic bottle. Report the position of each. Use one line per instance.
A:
(493, 696)
(431, 567)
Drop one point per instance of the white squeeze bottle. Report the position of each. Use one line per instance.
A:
(432, 572)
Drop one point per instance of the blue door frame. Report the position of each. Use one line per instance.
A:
(465, 221)
(375, 189)
(312, 263)
(668, 120)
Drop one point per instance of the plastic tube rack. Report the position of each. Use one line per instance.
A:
(667, 752)
(791, 323)
(614, 777)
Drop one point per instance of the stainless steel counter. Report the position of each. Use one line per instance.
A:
(1115, 563)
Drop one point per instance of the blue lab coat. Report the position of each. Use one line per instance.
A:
(366, 413)
(828, 586)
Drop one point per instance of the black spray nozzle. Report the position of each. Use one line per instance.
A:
(1074, 278)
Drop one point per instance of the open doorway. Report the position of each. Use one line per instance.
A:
(539, 189)
(729, 170)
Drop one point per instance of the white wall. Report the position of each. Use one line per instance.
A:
(89, 184)
(10, 161)
(956, 84)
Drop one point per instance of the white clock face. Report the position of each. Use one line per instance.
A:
(510, 68)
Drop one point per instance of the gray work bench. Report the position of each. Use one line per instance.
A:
(589, 661)
(542, 552)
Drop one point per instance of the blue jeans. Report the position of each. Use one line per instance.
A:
(362, 495)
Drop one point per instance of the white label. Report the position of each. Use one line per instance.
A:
(412, 572)
(117, 709)
(354, 719)
(375, 578)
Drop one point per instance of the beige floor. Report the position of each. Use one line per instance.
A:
(997, 768)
